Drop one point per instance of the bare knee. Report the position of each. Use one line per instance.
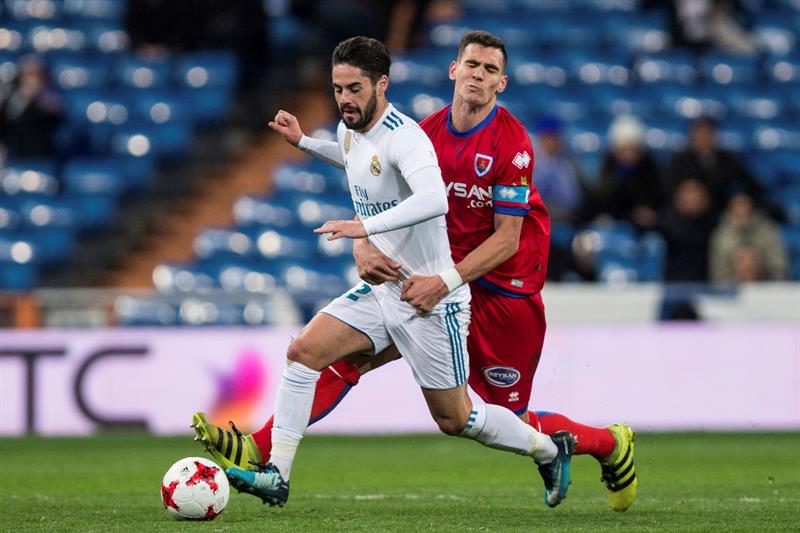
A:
(299, 351)
(450, 425)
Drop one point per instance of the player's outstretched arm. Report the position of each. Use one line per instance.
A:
(287, 125)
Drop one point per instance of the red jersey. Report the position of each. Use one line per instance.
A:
(488, 170)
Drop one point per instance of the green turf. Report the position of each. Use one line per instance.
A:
(694, 482)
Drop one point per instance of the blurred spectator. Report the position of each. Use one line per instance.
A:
(747, 246)
(705, 24)
(556, 174)
(722, 172)
(629, 186)
(30, 112)
(686, 225)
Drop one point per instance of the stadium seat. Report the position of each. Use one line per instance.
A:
(79, 71)
(94, 187)
(18, 263)
(247, 277)
(426, 69)
(776, 31)
(93, 176)
(691, 102)
(110, 11)
(735, 134)
(132, 312)
(644, 32)
(223, 244)
(217, 69)
(143, 72)
(568, 106)
(666, 135)
(105, 37)
(586, 137)
(159, 107)
(29, 178)
(249, 211)
(538, 69)
(418, 100)
(37, 10)
(48, 37)
(597, 68)
(669, 66)
(612, 100)
(271, 243)
(777, 135)
(729, 69)
(182, 278)
(784, 69)
(290, 178)
(573, 30)
(161, 140)
(755, 104)
(51, 225)
(208, 104)
(209, 312)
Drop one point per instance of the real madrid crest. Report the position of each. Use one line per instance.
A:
(375, 166)
(348, 138)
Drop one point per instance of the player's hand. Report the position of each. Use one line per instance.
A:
(287, 125)
(374, 267)
(342, 228)
(423, 292)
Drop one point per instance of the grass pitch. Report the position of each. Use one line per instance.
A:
(688, 482)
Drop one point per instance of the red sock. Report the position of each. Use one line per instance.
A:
(597, 442)
(334, 383)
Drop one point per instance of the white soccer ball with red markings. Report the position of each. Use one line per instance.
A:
(195, 488)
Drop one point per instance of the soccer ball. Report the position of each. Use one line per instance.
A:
(195, 488)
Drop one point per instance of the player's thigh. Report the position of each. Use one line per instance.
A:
(450, 408)
(505, 344)
(350, 324)
(434, 344)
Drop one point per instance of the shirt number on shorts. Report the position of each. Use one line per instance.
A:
(355, 294)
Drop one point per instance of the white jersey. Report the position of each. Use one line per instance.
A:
(377, 164)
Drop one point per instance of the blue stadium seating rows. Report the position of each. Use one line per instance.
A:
(124, 114)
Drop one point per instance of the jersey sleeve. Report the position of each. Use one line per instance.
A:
(513, 176)
(411, 150)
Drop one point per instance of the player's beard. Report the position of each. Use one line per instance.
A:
(367, 114)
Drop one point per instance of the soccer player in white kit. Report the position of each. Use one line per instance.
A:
(400, 200)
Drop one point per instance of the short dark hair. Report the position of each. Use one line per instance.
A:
(485, 39)
(366, 53)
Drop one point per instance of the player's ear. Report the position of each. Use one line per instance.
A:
(383, 84)
(452, 71)
(503, 83)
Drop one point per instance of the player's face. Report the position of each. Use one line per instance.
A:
(479, 75)
(356, 96)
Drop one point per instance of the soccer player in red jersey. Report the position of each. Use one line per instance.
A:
(499, 232)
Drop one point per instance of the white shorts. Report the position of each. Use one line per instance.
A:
(434, 345)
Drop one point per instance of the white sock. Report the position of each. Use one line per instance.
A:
(292, 409)
(497, 427)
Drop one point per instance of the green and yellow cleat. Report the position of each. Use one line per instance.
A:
(229, 448)
(619, 472)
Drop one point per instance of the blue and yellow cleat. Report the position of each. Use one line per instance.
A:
(266, 483)
(619, 472)
(229, 448)
(556, 472)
